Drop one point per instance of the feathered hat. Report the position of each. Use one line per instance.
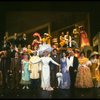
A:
(94, 53)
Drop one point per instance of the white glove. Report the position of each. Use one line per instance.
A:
(67, 69)
(22, 71)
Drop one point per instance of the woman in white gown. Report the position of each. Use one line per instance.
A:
(45, 77)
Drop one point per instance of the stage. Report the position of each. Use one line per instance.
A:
(57, 93)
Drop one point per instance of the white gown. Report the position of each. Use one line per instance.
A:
(45, 78)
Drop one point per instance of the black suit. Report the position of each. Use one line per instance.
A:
(73, 71)
(4, 68)
(5, 46)
(15, 42)
(53, 70)
(24, 42)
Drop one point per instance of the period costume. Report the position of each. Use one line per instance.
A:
(24, 42)
(45, 78)
(72, 65)
(62, 41)
(65, 83)
(16, 71)
(45, 70)
(95, 69)
(76, 35)
(43, 47)
(25, 79)
(34, 71)
(84, 78)
(4, 69)
(54, 69)
(84, 41)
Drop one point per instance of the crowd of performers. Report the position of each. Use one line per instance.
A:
(29, 63)
(78, 38)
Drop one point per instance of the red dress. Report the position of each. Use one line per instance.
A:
(84, 41)
(35, 44)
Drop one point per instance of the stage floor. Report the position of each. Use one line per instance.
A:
(57, 93)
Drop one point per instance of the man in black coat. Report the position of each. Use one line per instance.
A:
(4, 68)
(72, 64)
(24, 40)
(53, 68)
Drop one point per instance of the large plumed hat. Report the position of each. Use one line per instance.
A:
(44, 47)
(94, 53)
(37, 34)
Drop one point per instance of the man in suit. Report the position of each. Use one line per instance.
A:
(15, 40)
(53, 68)
(24, 40)
(72, 63)
(4, 68)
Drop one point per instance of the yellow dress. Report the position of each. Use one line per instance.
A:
(99, 73)
(46, 39)
(29, 51)
(34, 68)
(95, 72)
(62, 41)
(83, 77)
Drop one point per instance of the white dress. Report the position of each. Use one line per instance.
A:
(45, 78)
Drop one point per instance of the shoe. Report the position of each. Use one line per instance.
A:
(44, 88)
(27, 87)
(23, 87)
(50, 89)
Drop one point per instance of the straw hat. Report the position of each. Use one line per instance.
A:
(94, 53)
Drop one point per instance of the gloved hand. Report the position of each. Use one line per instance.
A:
(22, 71)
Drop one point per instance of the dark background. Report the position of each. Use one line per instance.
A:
(91, 7)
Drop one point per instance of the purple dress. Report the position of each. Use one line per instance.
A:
(65, 83)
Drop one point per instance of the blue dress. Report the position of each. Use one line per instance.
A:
(65, 83)
(26, 75)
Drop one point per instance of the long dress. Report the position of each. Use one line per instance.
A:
(84, 41)
(65, 84)
(25, 79)
(45, 75)
(34, 68)
(83, 77)
(95, 72)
